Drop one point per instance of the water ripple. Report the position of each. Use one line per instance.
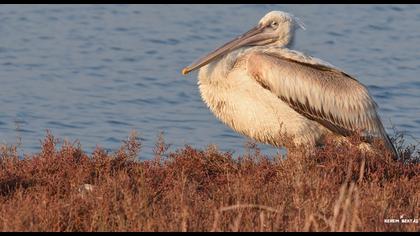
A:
(93, 73)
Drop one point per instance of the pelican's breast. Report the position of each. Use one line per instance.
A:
(241, 103)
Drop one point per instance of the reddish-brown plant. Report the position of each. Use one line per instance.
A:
(338, 188)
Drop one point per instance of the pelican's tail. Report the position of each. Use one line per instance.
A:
(391, 147)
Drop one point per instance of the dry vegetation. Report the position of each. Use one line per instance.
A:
(336, 189)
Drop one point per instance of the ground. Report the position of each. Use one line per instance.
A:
(336, 189)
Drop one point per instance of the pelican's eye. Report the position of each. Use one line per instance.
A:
(274, 24)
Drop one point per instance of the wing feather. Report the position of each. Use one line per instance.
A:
(317, 90)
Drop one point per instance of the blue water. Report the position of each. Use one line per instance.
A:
(93, 73)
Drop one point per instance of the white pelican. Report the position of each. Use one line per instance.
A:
(262, 89)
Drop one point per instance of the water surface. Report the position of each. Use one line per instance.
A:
(95, 72)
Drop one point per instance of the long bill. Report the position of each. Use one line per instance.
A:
(252, 37)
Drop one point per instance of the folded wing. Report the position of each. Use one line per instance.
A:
(318, 91)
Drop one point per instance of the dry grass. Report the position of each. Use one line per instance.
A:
(336, 189)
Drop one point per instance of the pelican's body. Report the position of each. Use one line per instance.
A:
(262, 89)
(238, 100)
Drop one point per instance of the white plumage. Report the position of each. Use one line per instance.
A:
(260, 88)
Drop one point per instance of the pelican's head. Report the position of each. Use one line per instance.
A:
(275, 28)
(282, 26)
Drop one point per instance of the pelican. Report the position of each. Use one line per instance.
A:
(263, 89)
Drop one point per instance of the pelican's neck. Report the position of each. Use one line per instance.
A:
(289, 44)
(286, 38)
(218, 69)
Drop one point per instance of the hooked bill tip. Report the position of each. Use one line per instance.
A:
(185, 71)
